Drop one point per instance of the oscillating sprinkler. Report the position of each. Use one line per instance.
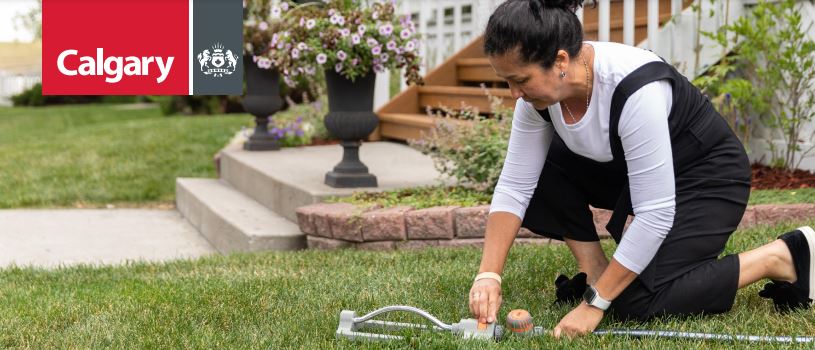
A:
(519, 323)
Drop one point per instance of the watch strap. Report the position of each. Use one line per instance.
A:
(598, 301)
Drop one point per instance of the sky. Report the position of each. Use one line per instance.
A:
(8, 9)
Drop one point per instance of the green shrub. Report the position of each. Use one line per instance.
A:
(775, 55)
(33, 97)
(198, 105)
(472, 152)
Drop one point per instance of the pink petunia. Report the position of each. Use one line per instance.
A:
(391, 45)
(311, 23)
(321, 59)
(338, 67)
(376, 50)
(386, 29)
(295, 53)
(355, 39)
(405, 33)
(341, 55)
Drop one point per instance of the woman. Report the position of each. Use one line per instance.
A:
(615, 127)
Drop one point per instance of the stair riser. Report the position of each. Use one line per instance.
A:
(478, 74)
(222, 234)
(434, 100)
(275, 195)
(398, 131)
(409, 127)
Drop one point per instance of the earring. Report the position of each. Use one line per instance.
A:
(562, 74)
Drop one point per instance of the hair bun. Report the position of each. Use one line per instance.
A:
(568, 5)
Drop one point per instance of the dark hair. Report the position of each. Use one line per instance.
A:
(539, 27)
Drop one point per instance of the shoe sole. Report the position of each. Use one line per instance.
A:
(809, 234)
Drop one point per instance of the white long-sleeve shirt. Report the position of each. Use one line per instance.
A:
(646, 142)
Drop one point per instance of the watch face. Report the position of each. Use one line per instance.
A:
(589, 295)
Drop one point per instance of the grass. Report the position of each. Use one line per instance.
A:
(90, 156)
(802, 195)
(293, 299)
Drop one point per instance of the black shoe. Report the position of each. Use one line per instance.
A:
(790, 296)
(570, 290)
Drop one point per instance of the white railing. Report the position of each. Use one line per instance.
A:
(11, 85)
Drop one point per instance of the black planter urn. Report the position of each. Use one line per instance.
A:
(350, 118)
(262, 99)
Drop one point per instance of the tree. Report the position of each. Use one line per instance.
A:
(31, 21)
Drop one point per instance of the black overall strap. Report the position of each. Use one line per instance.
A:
(545, 114)
(640, 77)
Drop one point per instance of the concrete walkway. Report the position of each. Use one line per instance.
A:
(51, 238)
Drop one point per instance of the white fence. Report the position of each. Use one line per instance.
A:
(14, 84)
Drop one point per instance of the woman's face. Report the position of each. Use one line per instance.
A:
(536, 85)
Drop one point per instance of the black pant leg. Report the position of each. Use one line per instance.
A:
(567, 186)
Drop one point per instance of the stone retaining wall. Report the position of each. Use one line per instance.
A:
(338, 225)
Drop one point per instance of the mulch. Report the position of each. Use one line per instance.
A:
(765, 177)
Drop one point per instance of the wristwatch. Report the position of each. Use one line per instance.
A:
(594, 299)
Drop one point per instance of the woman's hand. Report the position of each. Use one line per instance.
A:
(580, 321)
(485, 299)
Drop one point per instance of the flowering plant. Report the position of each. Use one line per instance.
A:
(260, 22)
(347, 37)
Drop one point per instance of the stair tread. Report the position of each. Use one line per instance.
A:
(238, 209)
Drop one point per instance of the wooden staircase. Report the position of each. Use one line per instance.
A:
(458, 79)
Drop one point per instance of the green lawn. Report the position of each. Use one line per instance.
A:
(94, 155)
(80, 156)
(293, 299)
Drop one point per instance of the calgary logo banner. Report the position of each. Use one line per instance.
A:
(142, 47)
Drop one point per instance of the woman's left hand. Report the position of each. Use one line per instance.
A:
(580, 321)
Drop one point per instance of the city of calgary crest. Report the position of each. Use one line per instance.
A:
(216, 62)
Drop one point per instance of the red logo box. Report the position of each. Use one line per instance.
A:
(143, 46)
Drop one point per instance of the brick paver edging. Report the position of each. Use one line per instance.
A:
(338, 225)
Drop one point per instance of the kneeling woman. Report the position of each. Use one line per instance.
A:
(615, 127)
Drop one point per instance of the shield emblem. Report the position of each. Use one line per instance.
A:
(218, 61)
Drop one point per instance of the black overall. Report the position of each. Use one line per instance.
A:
(712, 176)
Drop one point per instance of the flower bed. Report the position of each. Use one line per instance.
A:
(341, 225)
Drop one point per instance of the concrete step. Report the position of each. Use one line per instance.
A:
(290, 178)
(232, 221)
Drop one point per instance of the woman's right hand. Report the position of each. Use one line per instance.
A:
(485, 299)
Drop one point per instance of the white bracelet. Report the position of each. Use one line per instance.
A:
(491, 275)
